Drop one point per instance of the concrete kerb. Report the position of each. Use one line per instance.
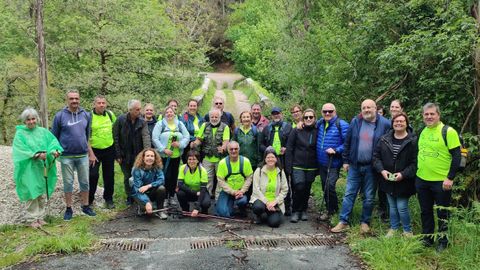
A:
(264, 99)
(204, 89)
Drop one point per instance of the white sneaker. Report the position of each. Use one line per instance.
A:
(163, 215)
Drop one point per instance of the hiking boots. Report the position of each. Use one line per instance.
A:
(88, 211)
(391, 233)
(295, 217)
(304, 216)
(408, 234)
(68, 214)
(364, 228)
(109, 205)
(341, 227)
(324, 217)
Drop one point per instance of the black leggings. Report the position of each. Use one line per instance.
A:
(274, 218)
(171, 174)
(184, 197)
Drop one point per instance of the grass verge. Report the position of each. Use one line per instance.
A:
(399, 252)
(20, 243)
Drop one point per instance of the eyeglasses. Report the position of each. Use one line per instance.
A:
(218, 103)
(306, 117)
(295, 112)
(327, 111)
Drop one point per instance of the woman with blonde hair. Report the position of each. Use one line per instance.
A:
(170, 137)
(148, 181)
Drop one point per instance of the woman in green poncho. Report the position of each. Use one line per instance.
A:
(34, 147)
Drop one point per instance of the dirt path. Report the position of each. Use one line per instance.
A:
(235, 100)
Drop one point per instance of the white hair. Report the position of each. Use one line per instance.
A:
(29, 111)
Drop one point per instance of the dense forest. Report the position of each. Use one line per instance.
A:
(314, 51)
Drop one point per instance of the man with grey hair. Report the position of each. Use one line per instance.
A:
(71, 126)
(102, 151)
(234, 179)
(213, 136)
(438, 161)
(131, 136)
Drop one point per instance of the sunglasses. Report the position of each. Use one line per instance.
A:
(306, 117)
(233, 149)
(328, 111)
(218, 103)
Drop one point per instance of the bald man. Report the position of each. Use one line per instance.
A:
(363, 134)
(332, 132)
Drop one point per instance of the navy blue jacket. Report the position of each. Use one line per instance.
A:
(187, 120)
(350, 152)
(331, 138)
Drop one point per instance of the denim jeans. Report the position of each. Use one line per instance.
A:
(431, 193)
(226, 202)
(330, 197)
(359, 177)
(71, 164)
(399, 213)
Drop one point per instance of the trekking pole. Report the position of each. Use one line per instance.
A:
(326, 196)
(189, 214)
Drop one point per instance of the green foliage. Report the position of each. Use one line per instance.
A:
(123, 49)
(312, 52)
(208, 99)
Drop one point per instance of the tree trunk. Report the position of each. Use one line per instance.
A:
(103, 66)
(42, 64)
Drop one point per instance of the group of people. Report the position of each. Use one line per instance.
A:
(269, 164)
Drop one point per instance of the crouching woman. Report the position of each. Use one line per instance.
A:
(269, 190)
(192, 185)
(148, 181)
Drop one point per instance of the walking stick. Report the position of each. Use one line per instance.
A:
(326, 193)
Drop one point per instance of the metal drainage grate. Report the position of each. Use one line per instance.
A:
(265, 242)
(125, 245)
(205, 244)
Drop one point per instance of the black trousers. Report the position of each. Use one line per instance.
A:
(274, 219)
(127, 173)
(155, 194)
(184, 197)
(301, 186)
(430, 193)
(382, 197)
(106, 158)
(171, 174)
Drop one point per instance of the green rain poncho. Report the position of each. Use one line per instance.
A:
(28, 172)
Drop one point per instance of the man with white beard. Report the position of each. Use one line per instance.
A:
(213, 137)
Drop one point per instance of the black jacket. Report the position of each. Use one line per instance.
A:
(301, 149)
(266, 138)
(405, 163)
(130, 139)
